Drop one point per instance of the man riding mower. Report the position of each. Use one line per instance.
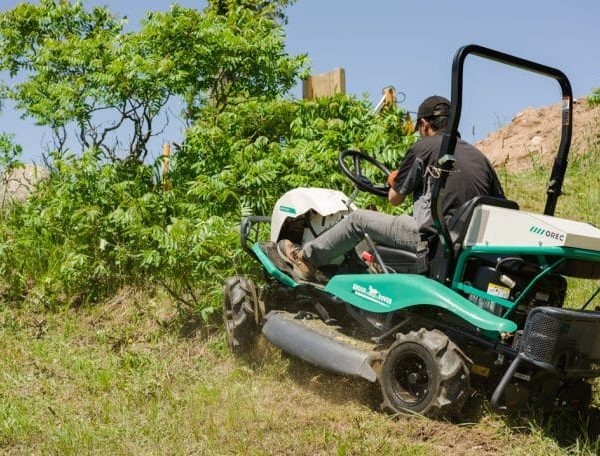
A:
(481, 298)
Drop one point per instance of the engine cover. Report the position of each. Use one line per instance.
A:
(498, 226)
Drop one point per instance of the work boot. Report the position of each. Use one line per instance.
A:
(292, 254)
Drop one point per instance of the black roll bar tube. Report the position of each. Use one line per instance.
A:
(446, 156)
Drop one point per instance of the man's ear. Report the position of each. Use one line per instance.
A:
(426, 127)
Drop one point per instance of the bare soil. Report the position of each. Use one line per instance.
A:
(16, 184)
(532, 138)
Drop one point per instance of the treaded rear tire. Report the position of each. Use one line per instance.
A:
(424, 372)
(239, 305)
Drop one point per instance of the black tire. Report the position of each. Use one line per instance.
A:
(239, 307)
(424, 372)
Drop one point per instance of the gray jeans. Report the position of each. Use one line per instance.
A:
(397, 231)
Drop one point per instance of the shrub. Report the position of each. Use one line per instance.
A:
(252, 154)
(94, 226)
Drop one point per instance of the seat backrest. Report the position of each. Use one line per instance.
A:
(462, 218)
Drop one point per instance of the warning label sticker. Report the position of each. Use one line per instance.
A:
(498, 290)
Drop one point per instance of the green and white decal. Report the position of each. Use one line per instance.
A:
(371, 294)
(288, 209)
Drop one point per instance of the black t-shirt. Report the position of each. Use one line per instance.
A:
(473, 175)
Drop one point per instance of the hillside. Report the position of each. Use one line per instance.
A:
(532, 137)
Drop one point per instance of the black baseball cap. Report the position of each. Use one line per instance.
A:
(433, 106)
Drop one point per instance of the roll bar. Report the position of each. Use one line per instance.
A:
(446, 156)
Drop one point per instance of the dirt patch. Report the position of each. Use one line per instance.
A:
(18, 183)
(533, 136)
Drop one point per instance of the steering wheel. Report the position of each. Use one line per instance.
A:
(355, 174)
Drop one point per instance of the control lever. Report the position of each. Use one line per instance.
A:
(376, 253)
(352, 198)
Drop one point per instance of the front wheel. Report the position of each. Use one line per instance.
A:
(424, 372)
(240, 303)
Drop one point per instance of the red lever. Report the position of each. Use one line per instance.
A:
(368, 257)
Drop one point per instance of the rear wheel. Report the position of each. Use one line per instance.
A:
(424, 372)
(240, 303)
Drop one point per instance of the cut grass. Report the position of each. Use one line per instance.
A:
(123, 380)
(119, 385)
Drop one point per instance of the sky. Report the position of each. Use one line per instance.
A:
(410, 45)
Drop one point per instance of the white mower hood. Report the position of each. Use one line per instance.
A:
(325, 202)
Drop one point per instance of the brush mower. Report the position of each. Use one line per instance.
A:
(484, 303)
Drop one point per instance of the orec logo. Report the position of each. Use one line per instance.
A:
(547, 233)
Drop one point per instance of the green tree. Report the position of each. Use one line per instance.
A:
(77, 69)
(214, 59)
(251, 154)
(274, 8)
(98, 224)
(67, 66)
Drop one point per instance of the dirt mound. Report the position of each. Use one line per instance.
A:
(533, 136)
(18, 183)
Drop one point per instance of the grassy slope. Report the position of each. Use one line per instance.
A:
(120, 378)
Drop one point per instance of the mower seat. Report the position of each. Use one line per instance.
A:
(459, 223)
(403, 261)
(406, 262)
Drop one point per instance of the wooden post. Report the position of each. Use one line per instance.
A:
(324, 84)
(388, 99)
(390, 96)
(166, 183)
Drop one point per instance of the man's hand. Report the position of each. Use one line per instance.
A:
(394, 197)
(391, 178)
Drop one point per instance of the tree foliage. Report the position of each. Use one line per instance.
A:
(250, 155)
(97, 224)
(10, 152)
(78, 69)
(94, 226)
(273, 8)
(213, 59)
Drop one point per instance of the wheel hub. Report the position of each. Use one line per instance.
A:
(412, 377)
(412, 380)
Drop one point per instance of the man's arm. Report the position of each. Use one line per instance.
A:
(405, 180)
(394, 197)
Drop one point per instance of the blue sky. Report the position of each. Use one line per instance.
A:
(410, 45)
